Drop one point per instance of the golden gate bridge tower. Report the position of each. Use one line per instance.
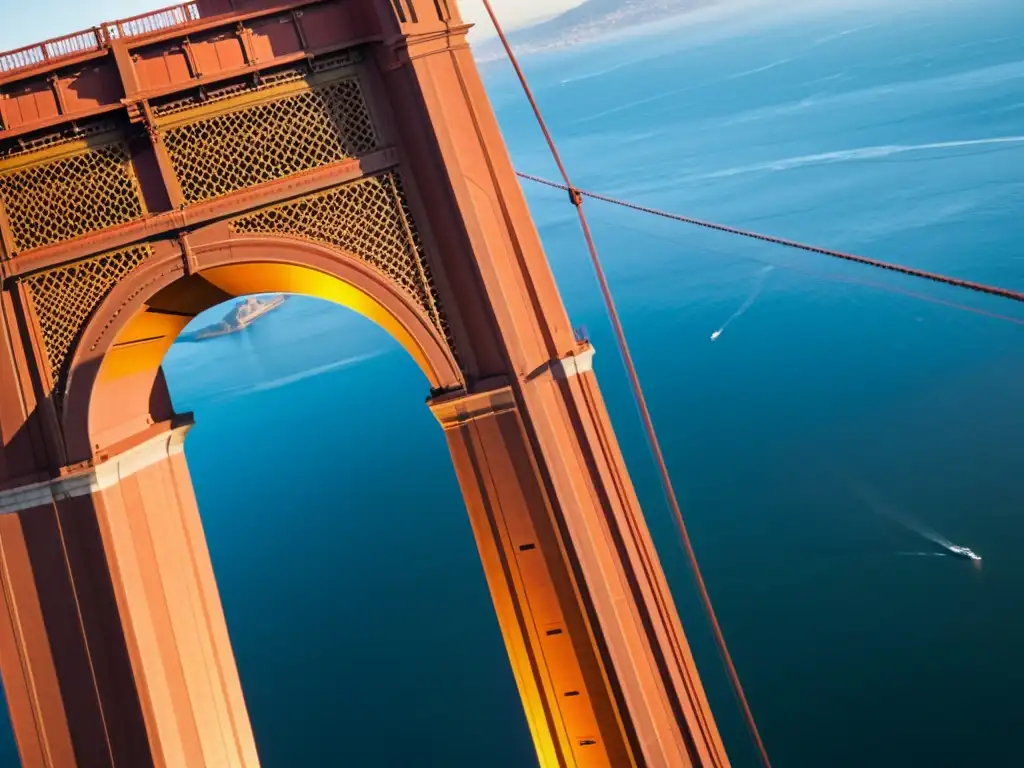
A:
(153, 167)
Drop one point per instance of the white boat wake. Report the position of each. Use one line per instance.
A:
(295, 378)
(922, 554)
(927, 533)
(858, 154)
(747, 304)
(900, 517)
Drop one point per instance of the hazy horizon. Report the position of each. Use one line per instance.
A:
(513, 13)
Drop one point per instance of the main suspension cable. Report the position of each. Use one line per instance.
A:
(577, 200)
(992, 290)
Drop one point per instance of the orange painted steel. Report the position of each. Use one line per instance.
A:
(374, 176)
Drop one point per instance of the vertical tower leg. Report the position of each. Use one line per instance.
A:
(605, 673)
(113, 646)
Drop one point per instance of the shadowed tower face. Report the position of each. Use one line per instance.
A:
(343, 149)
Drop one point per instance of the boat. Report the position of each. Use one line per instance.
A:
(241, 317)
(964, 552)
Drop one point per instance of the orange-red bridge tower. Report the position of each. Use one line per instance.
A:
(154, 167)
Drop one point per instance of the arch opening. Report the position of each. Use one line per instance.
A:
(116, 388)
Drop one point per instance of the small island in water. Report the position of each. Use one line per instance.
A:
(241, 316)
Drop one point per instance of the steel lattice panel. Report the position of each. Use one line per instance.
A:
(367, 219)
(270, 140)
(73, 195)
(66, 296)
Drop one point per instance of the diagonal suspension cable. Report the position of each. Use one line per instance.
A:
(991, 290)
(734, 258)
(645, 415)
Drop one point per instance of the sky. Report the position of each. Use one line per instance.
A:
(23, 23)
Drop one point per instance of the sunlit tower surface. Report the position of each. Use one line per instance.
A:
(344, 149)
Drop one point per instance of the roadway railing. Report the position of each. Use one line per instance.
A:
(98, 37)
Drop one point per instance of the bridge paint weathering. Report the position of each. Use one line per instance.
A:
(343, 149)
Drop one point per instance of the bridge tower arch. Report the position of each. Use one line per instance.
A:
(343, 149)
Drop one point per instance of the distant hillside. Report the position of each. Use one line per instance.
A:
(592, 19)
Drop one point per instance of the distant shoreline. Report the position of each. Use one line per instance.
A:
(590, 22)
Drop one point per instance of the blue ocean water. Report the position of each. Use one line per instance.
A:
(360, 619)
